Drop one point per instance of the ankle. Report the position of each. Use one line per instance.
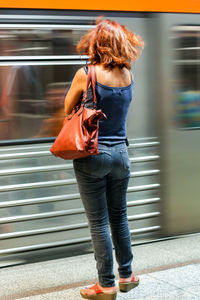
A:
(108, 289)
(125, 280)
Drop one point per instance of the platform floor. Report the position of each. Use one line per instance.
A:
(167, 269)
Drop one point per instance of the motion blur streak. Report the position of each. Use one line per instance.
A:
(39, 202)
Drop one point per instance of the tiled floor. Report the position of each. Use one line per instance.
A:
(167, 270)
(172, 284)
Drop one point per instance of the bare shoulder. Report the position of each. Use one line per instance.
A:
(80, 79)
(80, 74)
(126, 72)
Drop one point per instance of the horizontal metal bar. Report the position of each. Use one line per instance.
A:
(36, 185)
(48, 153)
(53, 183)
(12, 143)
(31, 141)
(145, 229)
(41, 200)
(24, 155)
(48, 17)
(187, 62)
(145, 187)
(46, 245)
(26, 148)
(143, 145)
(186, 48)
(30, 170)
(42, 63)
(61, 213)
(143, 138)
(188, 128)
(144, 216)
(182, 28)
(7, 204)
(144, 173)
(66, 242)
(144, 158)
(42, 231)
(42, 57)
(134, 145)
(47, 26)
(142, 202)
(20, 171)
(62, 228)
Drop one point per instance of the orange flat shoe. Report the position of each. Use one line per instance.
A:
(127, 286)
(97, 294)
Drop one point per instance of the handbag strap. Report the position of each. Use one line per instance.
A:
(91, 78)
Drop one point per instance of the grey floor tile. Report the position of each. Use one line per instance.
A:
(148, 287)
(157, 259)
(37, 297)
(177, 294)
(197, 266)
(180, 277)
(27, 281)
(80, 269)
(182, 281)
(193, 289)
(70, 294)
(161, 294)
(15, 297)
(166, 253)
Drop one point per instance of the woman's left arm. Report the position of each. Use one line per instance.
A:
(77, 88)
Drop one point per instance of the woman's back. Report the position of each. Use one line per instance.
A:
(115, 77)
(114, 92)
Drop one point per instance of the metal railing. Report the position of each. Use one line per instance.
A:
(32, 152)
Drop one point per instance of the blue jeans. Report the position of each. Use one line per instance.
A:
(102, 181)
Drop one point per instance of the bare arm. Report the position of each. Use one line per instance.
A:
(77, 88)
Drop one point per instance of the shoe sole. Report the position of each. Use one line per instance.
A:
(126, 287)
(101, 296)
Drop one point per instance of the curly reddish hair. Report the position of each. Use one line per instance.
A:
(111, 44)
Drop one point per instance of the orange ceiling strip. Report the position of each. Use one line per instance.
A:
(189, 6)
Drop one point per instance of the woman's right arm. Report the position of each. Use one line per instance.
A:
(77, 88)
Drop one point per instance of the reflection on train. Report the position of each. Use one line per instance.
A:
(24, 86)
(187, 103)
(40, 206)
(55, 96)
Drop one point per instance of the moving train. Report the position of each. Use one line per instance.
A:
(40, 207)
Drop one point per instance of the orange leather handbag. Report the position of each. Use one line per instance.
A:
(79, 135)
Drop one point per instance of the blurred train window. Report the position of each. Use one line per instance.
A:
(37, 64)
(186, 54)
(32, 99)
(38, 42)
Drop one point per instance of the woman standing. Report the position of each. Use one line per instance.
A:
(103, 178)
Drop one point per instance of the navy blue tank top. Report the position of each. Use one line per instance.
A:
(114, 102)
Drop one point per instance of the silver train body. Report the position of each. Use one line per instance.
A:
(40, 206)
